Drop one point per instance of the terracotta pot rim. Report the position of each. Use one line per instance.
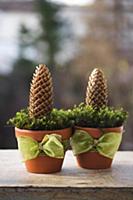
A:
(40, 131)
(99, 128)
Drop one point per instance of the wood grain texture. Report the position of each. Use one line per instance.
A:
(72, 183)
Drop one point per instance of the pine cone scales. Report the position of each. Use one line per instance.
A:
(41, 93)
(96, 94)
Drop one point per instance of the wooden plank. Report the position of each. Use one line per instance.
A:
(72, 183)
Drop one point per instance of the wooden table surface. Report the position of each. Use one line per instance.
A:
(73, 183)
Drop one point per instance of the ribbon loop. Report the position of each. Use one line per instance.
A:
(51, 145)
(81, 142)
(107, 145)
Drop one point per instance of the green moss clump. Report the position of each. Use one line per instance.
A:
(56, 120)
(105, 117)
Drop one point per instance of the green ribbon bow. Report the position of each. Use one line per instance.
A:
(51, 145)
(107, 145)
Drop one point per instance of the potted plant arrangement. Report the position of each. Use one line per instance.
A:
(42, 131)
(98, 127)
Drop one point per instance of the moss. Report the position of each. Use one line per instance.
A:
(105, 117)
(56, 120)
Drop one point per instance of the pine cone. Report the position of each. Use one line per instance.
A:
(41, 93)
(96, 94)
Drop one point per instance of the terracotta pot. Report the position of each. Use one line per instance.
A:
(43, 164)
(93, 160)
